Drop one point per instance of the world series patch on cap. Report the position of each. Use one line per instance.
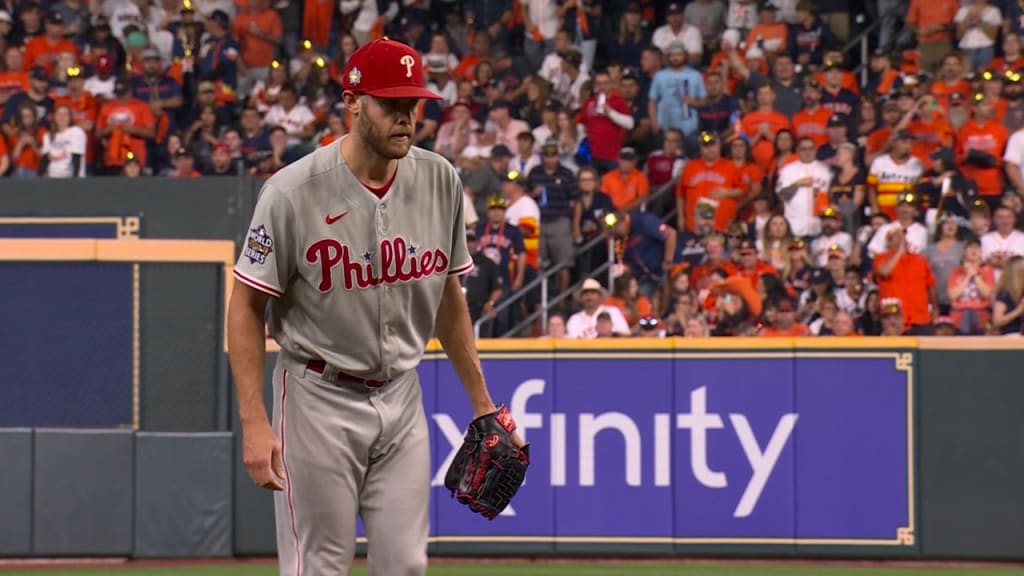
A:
(386, 68)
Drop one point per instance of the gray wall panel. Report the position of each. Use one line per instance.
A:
(972, 439)
(82, 492)
(183, 495)
(254, 506)
(181, 346)
(16, 492)
(211, 208)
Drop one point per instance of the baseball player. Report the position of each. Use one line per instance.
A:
(357, 247)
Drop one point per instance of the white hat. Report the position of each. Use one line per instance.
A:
(591, 285)
(471, 151)
(731, 37)
(5, 17)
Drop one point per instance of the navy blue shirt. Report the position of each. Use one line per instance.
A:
(811, 40)
(645, 246)
(592, 217)
(555, 193)
(717, 116)
(501, 245)
(689, 249)
(163, 89)
(218, 60)
(43, 108)
(843, 103)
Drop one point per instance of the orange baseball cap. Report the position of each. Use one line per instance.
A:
(386, 68)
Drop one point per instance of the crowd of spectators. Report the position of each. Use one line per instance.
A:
(804, 202)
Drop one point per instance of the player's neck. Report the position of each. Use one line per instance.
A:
(367, 166)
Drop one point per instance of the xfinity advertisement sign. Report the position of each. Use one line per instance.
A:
(772, 449)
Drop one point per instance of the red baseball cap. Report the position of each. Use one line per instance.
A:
(386, 68)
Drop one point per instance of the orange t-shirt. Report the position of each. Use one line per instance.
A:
(1001, 65)
(40, 52)
(750, 174)
(762, 268)
(466, 67)
(643, 308)
(988, 137)
(702, 272)
(28, 157)
(257, 52)
(623, 191)
(698, 180)
(14, 81)
(941, 90)
(794, 331)
(774, 37)
(877, 140)
(813, 125)
(134, 113)
(910, 282)
(731, 81)
(764, 150)
(927, 13)
(930, 136)
(317, 17)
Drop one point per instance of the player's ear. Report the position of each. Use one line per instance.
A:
(352, 100)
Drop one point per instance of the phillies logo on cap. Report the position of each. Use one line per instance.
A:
(392, 70)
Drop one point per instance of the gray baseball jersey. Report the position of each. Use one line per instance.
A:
(357, 279)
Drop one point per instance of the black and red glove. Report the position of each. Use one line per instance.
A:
(489, 468)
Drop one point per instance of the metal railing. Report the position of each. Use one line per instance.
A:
(544, 276)
(861, 41)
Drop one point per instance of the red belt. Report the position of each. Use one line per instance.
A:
(319, 366)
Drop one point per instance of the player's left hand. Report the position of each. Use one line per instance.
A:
(490, 466)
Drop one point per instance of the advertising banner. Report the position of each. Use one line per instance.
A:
(670, 447)
(67, 344)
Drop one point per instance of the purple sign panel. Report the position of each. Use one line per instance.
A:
(769, 448)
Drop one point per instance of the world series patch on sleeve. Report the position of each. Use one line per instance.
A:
(489, 468)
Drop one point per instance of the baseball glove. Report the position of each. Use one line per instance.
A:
(489, 468)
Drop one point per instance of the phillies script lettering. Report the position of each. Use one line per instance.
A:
(398, 263)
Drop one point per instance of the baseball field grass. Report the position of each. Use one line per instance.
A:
(541, 569)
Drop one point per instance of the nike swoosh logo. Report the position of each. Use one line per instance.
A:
(332, 219)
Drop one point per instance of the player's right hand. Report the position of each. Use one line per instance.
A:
(261, 454)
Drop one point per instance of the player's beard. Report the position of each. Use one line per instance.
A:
(380, 141)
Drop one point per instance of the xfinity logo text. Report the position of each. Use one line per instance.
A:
(762, 456)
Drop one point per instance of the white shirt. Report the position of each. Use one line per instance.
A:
(293, 121)
(524, 166)
(100, 88)
(469, 211)
(121, 14)
(993, 243)
(60, 147)
(799, 209)
(544, 15)
(917, 238)
(583, 325)
(449, 94)
(821, 244)
(973, 37)
(741, 15)
(689, 35)
(1015, 150)
(367, 13)
(524, 208)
